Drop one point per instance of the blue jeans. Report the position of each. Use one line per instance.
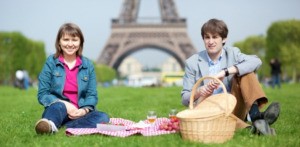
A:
(276, 80)
(57, 113)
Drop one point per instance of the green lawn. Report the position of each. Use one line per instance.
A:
(20, 110)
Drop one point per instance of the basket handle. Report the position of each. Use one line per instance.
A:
(198, 83)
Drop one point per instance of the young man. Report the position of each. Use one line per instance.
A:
(236, 70)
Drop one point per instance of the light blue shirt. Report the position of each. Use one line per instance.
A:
(214, 68)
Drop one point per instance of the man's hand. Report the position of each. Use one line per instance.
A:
(206, 90)
(220, 75)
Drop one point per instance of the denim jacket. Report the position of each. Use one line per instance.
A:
(52, 81)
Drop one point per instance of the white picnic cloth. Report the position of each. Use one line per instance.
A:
(131, 128)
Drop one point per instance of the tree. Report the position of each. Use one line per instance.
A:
(255, 45)
(18, 52)
(104, 73)
(291, 57)
(283, 43)
(35, 58)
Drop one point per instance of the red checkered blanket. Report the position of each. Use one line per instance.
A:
(153, 130)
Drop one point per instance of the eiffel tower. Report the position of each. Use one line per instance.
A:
(129, 35)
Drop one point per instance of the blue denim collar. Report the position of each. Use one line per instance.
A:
(83, 59)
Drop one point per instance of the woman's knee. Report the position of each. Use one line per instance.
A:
(57, 107)
(101, 116)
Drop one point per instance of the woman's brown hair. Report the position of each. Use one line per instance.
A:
(72, 30)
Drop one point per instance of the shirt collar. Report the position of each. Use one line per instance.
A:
(78, 60)
(211, 62)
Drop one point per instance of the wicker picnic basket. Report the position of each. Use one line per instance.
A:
(211, 121)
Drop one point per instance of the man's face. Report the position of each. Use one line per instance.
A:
(213, 44)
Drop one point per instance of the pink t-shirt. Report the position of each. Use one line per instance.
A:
(71, 85)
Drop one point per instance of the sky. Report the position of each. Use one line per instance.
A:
(40, 20)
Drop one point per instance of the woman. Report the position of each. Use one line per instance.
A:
(68, 86)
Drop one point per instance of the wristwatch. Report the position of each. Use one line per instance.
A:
(226, 72)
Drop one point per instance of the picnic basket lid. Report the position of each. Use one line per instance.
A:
(213, 105)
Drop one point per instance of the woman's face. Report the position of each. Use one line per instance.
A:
(69, 44)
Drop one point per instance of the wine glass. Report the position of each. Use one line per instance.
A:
(172, 113)
(151, 116)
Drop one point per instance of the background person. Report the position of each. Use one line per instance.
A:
(275, 72)
(19, 79)
(67, 86)
(26, 80)
(236, 70)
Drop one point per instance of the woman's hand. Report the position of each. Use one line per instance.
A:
(70, 107)
(78, 113)
(72, 111)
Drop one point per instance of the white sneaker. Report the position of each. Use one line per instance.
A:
(45, 126)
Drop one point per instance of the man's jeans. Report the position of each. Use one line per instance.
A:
(276, 80)
(57, 113)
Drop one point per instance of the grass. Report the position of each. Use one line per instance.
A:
(20, 110)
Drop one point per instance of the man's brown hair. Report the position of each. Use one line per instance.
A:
(215, 26)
